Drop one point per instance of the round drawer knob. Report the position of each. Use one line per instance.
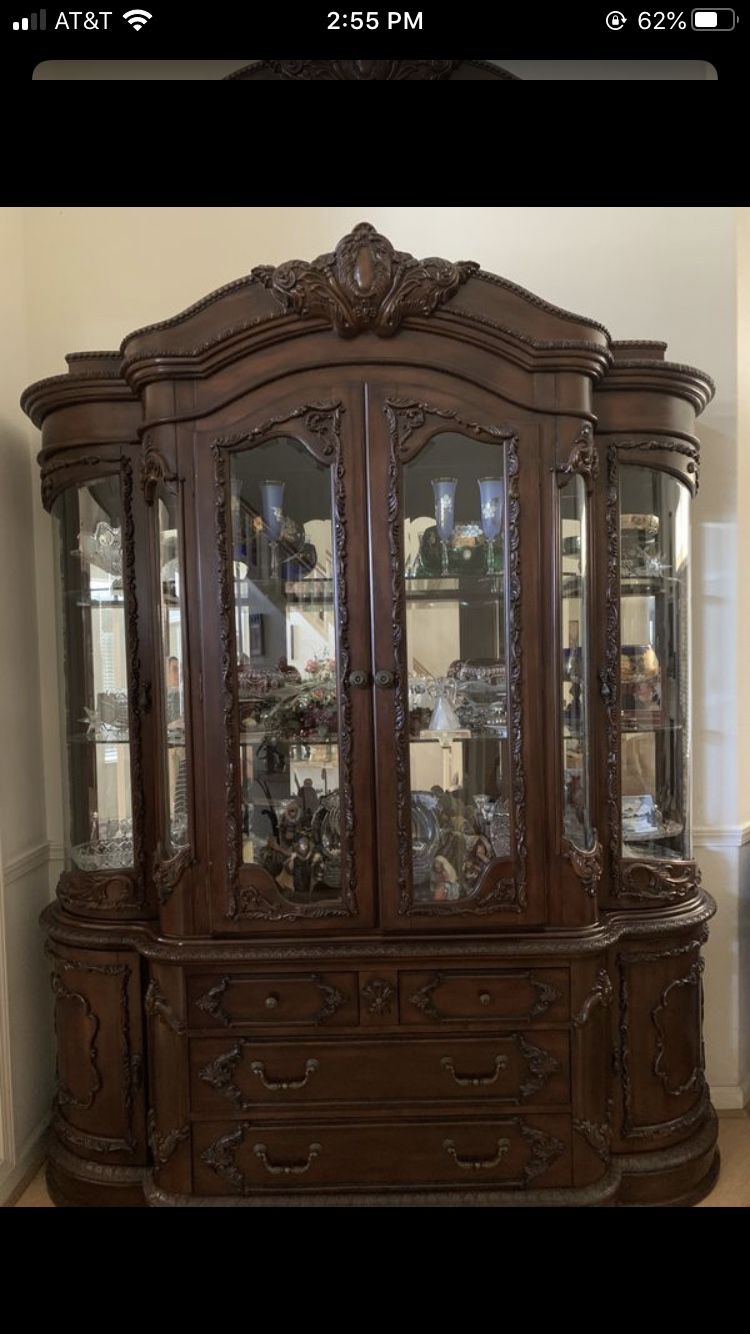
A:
(271, 1002)
(384, 679)
(484, 998)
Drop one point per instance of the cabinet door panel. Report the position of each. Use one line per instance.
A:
(283, 667)
(454, 512)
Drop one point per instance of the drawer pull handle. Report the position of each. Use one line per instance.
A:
(359, 678)
(287, 1169)
(476, 1164)
(475, 1081)
(281, 1085)
(384, 679)
(271, 1002)
(484, 998)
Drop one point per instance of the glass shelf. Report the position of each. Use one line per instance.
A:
(98, 741)
(453, 738)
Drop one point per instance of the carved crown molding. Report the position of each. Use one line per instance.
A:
(363, 71)
(364, 284)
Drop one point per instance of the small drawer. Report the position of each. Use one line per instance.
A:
(507, 1152)
(507, 995)
(235, 1000)
(240, 1076)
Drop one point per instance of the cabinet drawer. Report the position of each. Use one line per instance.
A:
(234, 1000)
(510, 995)
(516, 1068)
(514, 1152)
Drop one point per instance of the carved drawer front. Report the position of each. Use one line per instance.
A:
(234, 1000)
(511, 995)
(238, 1076)
(514, 1152)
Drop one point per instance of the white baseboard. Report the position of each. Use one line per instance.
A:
(721, 836)
(730, 1097)
(30, 1159)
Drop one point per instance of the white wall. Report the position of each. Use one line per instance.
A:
(26, 1054)
(94, 274)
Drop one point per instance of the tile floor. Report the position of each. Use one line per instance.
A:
(731, 1191)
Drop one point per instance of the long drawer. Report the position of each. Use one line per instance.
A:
(514, 1152)
(490, 995)
(245, 1074)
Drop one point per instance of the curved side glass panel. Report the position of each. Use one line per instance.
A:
(93, 676)
(171, 628)
(574, 620)
(654, 664)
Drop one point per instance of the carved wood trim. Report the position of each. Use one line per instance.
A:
(583, 459)
(630, 1130)
(362, 71)
(601, 993)
(164, 1146)
(668, 446)
(53, 475)
(168, 871)
(696, 1078)
(65, 1095)
(404, 417)
(546, 995)
(154, 471)
(658, 882)
(99, 890)
(138, 700)
(378, 996)
(80, 1139)
(598, 1134)
(586, 864)
(129, 1061)
(157, 1006)
(211, 1002)
(610, 675)
(364, 284)
(264, 901)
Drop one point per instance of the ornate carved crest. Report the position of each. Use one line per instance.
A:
(364, 284)
(363, 71)
(587, 865)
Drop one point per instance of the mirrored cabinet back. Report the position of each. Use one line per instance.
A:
(373, 582)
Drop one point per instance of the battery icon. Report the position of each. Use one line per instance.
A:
(713, 20)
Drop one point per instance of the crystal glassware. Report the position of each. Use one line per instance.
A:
(272, 500)
(444, 489)
(491, 506)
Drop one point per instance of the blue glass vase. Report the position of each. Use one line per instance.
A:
(272, 501)
(491, 507)
(444, 490)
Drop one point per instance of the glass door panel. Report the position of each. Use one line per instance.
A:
(654, 660)
(286, 607)
(93, 647)
(576, 739)
(456, 571)
(171, 607)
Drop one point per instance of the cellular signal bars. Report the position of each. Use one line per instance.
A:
(23, 25)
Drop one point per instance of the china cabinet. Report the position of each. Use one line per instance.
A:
(373, 583)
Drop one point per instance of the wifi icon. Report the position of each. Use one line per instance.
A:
(137, 18)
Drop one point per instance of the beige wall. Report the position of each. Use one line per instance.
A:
(26, 1059)
(93, 274)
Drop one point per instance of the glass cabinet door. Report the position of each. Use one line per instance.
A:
(94, 676)
(455, 573)
(290, 748)
(654, 681)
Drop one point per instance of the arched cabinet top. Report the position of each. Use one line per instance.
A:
(363, 302)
